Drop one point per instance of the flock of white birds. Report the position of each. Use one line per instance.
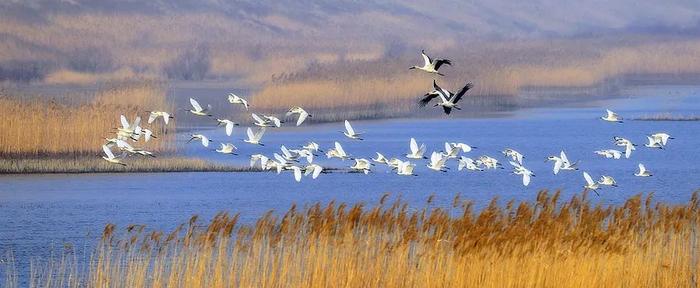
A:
(291, 159)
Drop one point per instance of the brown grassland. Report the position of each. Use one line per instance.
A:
(37, 126)
(544, 243)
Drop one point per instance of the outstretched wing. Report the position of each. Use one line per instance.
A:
(588, 178)
(229, 128)
(348, 128)
(427, 98)
(302, 117)
(439, 62)
(152, 117)
(642, 169)
(249, 132)
(108, 152)
(125, 123)
(317, 171)
(259, 134)
(414, 145)
(526, 179)
(195, 105)
(461, 93)
(426, 59)
(257, 118)
(339, 148)
(564, 159)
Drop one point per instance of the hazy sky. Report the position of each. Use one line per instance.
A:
(499, 18)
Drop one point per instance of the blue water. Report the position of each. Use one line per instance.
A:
(42, 213)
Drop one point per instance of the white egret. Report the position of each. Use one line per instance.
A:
(524, 172)
(274, 121)
(590, 184)
(609, 153)
(261, 122)
(662, 137)
(629, 146)
(654, 143)
(611, 117)
(416, 151)
(643, 172)
(607, 181)
(302, 114)
(405, 168)
(234, 99)
(469, 164)
(313, 169)
(515, 155)
(489, 162)
(258, 157)
(254, 138)
(362, 165)
(380, 159)
(337, 152)
(153, 115)
(197, 109)
(228, 124)
(205, 140)
(227, 148)
(110, 156)
(350, 132)
(437, 162)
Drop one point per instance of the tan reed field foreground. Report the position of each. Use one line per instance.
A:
(36, 126)
(87, 164)
(544, 243)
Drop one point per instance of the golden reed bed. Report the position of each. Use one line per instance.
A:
(544, 243)
(38, 126)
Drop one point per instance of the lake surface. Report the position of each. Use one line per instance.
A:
(42, 213)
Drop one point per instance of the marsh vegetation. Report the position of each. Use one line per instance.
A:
(545, 242)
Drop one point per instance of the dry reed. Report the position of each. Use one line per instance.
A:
(97, 165)
(34, 126)
(544, 243)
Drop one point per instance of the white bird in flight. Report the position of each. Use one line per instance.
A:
(153, 115)
(261, 122)
(609, 153)
(590, 184)
(629, 146)
(654, 142)
(524, 172)
(350, 132)
(561, 163)
(431, 65)
(254, 138)
(405, 168)
(380, 159)
(204, 139)
(110, 156)
(234, 99)
(469, 164)
(643, 172)
(662, 137)
(313, 169)
(515, 155)
(276, 122)
(607, 181)
(197, 109)
(437, 162)
(337, 152)
(488, 162)
(302, 114)
(227, 148)
(362, 165)
(228, 124)
(416, 151)
(611, 117)
(261, 158)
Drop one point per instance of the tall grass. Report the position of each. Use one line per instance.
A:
(35, 126)
(543, 243)
(97, 165)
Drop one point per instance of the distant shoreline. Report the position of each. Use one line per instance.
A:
(93, 165)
